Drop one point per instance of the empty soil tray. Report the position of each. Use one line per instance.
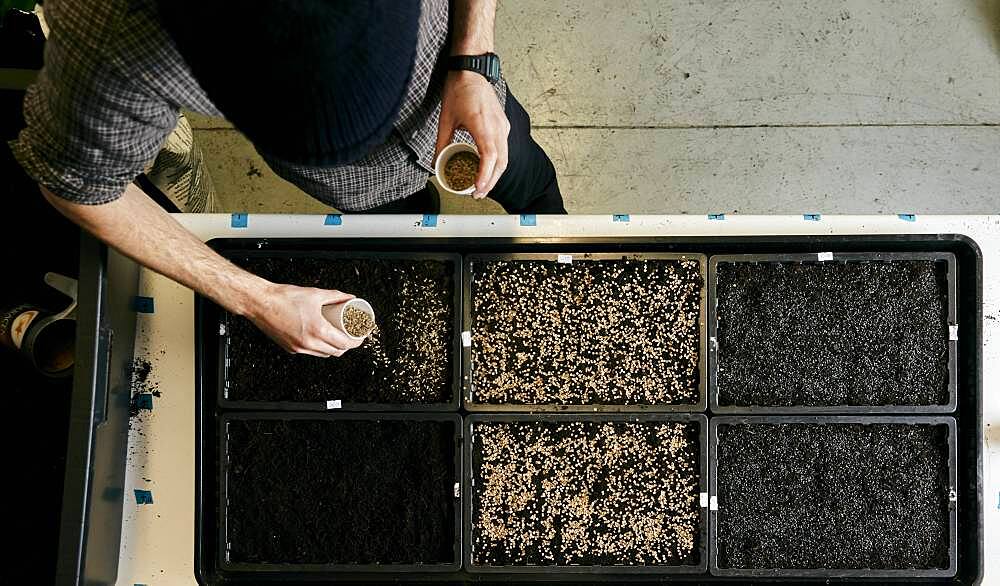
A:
(315, 493)
(834, 333)
(574, 493)
(585, 332)
(409, 363)
(834, 496)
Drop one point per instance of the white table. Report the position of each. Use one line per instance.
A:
(158, 539)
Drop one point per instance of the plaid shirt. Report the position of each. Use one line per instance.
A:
(113, 85)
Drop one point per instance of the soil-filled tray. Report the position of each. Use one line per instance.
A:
(585, 332)
(833, 333)
(576, 493)
(833, 496)
(410, 363)
(344, 492)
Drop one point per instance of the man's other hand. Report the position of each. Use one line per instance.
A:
(470, 102)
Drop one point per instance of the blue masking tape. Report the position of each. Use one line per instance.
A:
(143, 497)
(144, 401)
(908, 217)
(239, 220)
(811, 217)
(429, 221)
(333, 220)
(529, 220)
(620, 218)
(716, 216)
(142, 304)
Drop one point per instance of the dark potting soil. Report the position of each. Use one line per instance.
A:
(844, 496)
(585, 493)
(341, 491)
(835, 333)
(590, 332)
(408, 359)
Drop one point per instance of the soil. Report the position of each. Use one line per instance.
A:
(585, 493)
(341, 491)
(411, 362)
(460, 170)
(843, 496)
(855, 333)
(588, 332)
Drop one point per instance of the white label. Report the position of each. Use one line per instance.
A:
(952, 495)
(565, 258)
(466, 339)
(713, 342)
(335, 404)
(824, 256)
(713, 503)
(20, 325)
(704, 499)
(458, 490)
(952, 332)
(222, 329)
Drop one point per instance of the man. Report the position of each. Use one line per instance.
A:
(349, 100)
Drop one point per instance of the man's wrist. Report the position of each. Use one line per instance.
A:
(470, 47)
(249, 295)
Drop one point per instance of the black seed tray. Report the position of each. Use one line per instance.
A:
(834, 573)
(469, 400)
(291, 571)
(838, 257)
(578, 572)
(345, 405)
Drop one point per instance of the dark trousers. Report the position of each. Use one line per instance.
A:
(528, 186)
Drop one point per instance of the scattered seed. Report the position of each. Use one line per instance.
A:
(585, 493)
(590, 332)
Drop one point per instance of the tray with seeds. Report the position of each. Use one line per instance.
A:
(585, 493)
(584, 332)
(409, 363)
(834, 496)
(833, 333)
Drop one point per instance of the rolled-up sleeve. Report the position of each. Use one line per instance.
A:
(89, 130)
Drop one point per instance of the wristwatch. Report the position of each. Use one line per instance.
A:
(487, 65)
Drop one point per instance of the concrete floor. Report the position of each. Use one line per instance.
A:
(737, 106)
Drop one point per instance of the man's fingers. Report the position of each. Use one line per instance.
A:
(331, 296)
(487, 162)
(501, 149)
(338, 339)
(445, 131)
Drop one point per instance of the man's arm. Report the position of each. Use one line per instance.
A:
(469, 101)
(140, 229)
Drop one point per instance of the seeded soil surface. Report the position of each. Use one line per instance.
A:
(407, 359)
(845, 496)
(587, 332)
(585, 493)
(340, 491)
(854, 333)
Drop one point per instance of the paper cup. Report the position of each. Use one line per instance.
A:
(335, 315)
(447, 153)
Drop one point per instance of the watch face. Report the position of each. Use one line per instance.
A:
(492, 72)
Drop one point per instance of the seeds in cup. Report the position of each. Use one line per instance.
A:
(357, 322)
(460, 170)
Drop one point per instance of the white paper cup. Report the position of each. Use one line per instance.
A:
(335, 314)
(447, 153)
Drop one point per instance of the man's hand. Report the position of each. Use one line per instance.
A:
(469, 102)
(293, 317)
